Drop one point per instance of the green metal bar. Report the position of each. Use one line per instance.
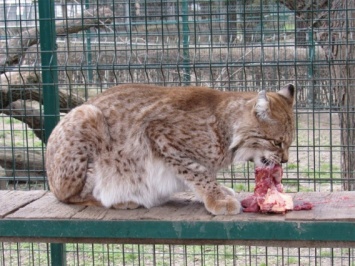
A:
(49, 65)
(186, 42)
(311, 51)
(58, 256)
(50, 89)
(180, 230)
(88, 49)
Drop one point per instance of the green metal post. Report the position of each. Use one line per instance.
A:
(88, 48)
(50, 89)
(49, 65)
(311, 51)
(58, 254)
(185, 44)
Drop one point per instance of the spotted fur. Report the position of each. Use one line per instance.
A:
(135, 145)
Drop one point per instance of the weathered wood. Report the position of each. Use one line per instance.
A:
(119, 215)
(46, 207)
(338, 206)
(328, 207)
(12, 200)
(38, 216)
(92, 212)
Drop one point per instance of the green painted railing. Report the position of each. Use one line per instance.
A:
(50, 88)
(309, 233)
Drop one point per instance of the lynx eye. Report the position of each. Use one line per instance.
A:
(277, 143)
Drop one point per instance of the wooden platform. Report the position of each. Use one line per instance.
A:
(37, 216)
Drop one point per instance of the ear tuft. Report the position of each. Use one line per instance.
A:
(262, 107)
(288, 92)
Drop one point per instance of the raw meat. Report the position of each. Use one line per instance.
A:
(303, 206)
(268, 193)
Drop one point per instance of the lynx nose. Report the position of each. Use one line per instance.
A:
(284, 157)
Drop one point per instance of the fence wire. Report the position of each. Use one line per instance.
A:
(227, 45)
(128, 254)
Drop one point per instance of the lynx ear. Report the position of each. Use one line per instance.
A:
(288, 92)
(262, 107)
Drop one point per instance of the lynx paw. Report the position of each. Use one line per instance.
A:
(130, 205)
(227, 206)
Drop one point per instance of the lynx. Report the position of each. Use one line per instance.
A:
(135, 145)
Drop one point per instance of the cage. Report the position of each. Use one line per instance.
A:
(69, 51)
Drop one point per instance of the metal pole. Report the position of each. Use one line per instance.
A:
(185, 44)
(311, 51)
(50, 89)
(49, 65)
(88, 48)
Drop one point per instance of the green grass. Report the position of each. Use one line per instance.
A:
(9, 120)
(240, 188)
(291, 166)
(325, 172)
(325, 253)
(292, 260)
(17, 134)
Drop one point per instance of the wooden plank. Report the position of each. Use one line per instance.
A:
(186, 207)
(339, 206)
(316, 198)
(11, 200)
(163, 212)
(181, 220)
(119, 215)
(46, 207)
(91, 213)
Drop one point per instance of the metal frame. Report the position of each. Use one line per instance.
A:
(296, 233)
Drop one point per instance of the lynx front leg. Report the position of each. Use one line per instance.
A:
(216, 198)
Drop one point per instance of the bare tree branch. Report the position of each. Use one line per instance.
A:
(26, 85)
(18, 45)
(29, 112)
(21, 97)
(21, 162)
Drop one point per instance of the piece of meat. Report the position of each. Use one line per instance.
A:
(275, 201)
(268, 193)
(302, 206)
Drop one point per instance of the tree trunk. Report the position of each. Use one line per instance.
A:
(344, 83)
(336, 35)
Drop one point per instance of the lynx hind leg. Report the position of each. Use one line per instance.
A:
(76, 142)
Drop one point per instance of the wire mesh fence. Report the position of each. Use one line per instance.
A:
(227, 45)
(128, 254)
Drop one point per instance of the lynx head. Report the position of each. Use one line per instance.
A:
(269, 130)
